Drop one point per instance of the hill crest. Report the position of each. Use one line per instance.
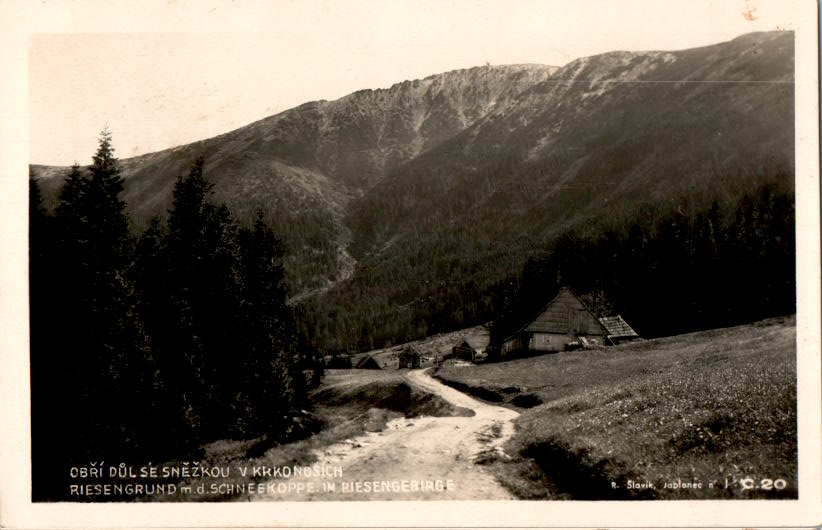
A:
(481, 166)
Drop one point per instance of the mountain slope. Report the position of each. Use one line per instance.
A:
(599, 133)
(304, 165)
(603, 140)
(404, 210)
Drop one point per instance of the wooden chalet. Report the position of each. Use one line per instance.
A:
(469, 348)
(408, 358)
(618, 330)
(563, 322)
(368, 362)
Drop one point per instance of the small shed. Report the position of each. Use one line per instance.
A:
(368, 362)
(409, 357)
(469, 348)
(618, 330)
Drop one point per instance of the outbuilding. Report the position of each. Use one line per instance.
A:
(409, 357)
(469, 348)
(368, 362)
(618, 330)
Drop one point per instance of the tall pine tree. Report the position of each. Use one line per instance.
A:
(102, 345)
(47, 362)
(272, 380)
(203, 273)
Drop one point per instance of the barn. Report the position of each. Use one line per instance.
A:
(564, 320)
(618, 330)
(409, 357)
(469, 348)
(368, 362)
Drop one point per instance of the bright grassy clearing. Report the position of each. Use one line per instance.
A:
(699, 408)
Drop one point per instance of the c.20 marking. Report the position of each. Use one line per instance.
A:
(765, 484)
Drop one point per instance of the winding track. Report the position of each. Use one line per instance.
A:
(418, 449)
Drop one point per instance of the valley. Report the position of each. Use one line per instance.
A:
(716, 407)
(411, 210)
(503, 282)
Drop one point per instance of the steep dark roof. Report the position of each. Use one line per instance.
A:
(476, 342)
(367, 361)
(565, 314)
(617, 327)
(410, 351)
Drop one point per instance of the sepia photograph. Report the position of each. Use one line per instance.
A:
(351, 258)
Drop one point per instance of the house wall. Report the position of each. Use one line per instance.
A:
(510, 345)
(549, 341)
(408, 361)
(463, 352)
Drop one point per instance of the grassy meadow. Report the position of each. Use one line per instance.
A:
(716, 406)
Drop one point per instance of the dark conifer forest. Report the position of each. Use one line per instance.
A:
(719, 256)
(145, 346)
(670, 270)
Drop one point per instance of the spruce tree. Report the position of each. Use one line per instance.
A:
(71, 207)
(100, 337)
(46, 361)
(156, 314)
(272, 371)
(203, 286)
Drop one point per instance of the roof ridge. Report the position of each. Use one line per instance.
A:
(560, 291)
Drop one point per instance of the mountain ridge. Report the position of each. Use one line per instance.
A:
(304, 165)
(545, 126)
(383, 196)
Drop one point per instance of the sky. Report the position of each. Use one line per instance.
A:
(161, 74)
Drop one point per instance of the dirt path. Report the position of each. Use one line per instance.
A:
(419, 451)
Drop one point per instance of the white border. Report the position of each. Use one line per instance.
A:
(16, 510)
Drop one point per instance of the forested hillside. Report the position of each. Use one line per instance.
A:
(639, 143)
(303, 166)
(144, 348)
(661, 182)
